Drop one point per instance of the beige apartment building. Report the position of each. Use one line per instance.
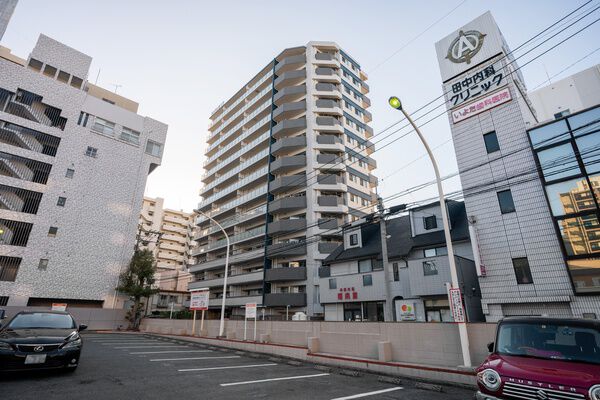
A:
(168, 233)
(287, 164)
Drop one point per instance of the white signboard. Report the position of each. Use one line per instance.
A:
(405, 311)
(250, 310)
(477, 107)
(456, 305)
(476, 84)
(199, 300)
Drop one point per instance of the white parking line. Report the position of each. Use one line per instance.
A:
(358, 396)
(274, 379)
(232, 367)
(148, 347)
(193, 358)
(171, 351)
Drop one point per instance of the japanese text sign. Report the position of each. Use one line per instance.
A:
(456, 305)
(481, 105)
(199, 300)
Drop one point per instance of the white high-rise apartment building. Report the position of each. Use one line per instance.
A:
(74, 159)
(287, 163)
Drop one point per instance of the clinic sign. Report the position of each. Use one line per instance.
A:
(476, 84)
(456, 305)
(199, 300)
(484, 104)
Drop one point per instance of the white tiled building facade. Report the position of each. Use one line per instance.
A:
(74, 159)
(524, 268)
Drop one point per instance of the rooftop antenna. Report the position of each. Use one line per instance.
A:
(117, 86)
(547, 74)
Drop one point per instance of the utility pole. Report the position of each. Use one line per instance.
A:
(387, 311)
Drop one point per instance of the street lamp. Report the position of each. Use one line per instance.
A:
(462, 326)
(222, 323)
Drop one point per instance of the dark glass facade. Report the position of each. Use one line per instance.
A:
(567, 153)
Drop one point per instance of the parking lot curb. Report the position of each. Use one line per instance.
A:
(389, 379)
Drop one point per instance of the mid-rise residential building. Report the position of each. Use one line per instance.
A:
(7, 7)
(526, 185)
(74, 159)
(353, 281)
(287, 163)
(169, 235)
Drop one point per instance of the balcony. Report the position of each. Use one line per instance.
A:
(288, 182)
(364, 88)
(328, 223)
(367, 116)
(289, 94)
(329, 124)
(285, 299)
(328, 247)
(240, 279)
(29, 106)
(329, 179)
(324, 271)
(286, 225)
(325, 74)
(290, 63)
(289, 110)
(328, 158)
(24, 168)
(368, 132)
(330, 201)
(287, 145)
(239, 238)
(234, 301)
(366, 102)
(287, 204)
(285, 274)
(289, 127)
(328, 107)
(327, 90)
(289, 163)
(286, 249)
(244, 256)
(290, 78)
(326, 59)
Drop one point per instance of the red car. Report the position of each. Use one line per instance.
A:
(541, 358)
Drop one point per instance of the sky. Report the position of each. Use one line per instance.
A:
(180, 59)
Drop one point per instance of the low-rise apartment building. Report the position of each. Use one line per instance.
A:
(74, 159)
(353, 281)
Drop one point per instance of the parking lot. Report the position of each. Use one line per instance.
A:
(123, 366)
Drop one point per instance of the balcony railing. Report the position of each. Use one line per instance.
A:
(240, 237)
(238, 201)
(29, 106)
(247, 163)
(285, 299)
(24, 168)
(236, 156)
(237, 140)
(260, 173)
(19, 200)
(29, 139)
(266, 105)
(226, 223)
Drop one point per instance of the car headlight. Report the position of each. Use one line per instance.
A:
(595, 392)
(490, 379)
(5, 346)
(73, 343)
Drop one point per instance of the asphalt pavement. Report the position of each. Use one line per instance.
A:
(131, 366)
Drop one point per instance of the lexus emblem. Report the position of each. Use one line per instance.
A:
(38, 348)
(541, 395)
(465, 46)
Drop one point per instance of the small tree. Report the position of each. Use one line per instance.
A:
(137, 282)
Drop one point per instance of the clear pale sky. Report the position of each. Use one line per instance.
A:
(180, 59)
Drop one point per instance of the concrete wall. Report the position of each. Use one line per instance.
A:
(416, 343)
(94, 318)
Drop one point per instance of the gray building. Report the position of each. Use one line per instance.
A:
(353, 282)
(7, 7)
(523, 268)
(74, 159)
(287, 163)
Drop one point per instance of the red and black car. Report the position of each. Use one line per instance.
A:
(40, 340)
(541, 358)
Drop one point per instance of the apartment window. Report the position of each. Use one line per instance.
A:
(9, 266)
(61, 201)
(52, 231)
(506, 202)
(43, 265)
(76, 82)
(367, 280)
(35, 64)
(104, 126)
(153, 148)
(63, 77)
(3, 300)
(83, 118)
(91, 152)
(69, 174)
(429, 268)
(522, 270)
(354, 239)
(396, 271)
(50, 71)
(438, 251)
(332, 283)
(430, 222)
(131, 136)
(491, 142)
(365, 266)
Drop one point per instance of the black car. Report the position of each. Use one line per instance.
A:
(40, 340)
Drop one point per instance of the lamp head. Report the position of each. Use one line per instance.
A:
(395, 103)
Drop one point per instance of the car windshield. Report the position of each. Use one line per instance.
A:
(42, 320)
(550, 341)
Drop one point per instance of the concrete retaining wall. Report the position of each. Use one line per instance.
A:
(94, 318)
(412, 343)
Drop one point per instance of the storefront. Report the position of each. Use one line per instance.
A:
(370, 311)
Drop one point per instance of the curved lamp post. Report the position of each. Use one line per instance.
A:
(462, 326)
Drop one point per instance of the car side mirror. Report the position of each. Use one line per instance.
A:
(82, 327)
(490, 347)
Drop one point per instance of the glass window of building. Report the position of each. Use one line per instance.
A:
(429, 268)
(506, 202)
(549, 134)
(103, 126)
(365, 266)
(332, 283)
(430, 222)
(558, 162)
(367, 280)
(491, 142)
(589, 149)
(522, 270)
(153, 148)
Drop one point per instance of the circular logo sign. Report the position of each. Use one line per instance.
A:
(465, 46)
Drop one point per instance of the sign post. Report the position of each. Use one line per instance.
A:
(199, 301)
(458, 311)
(250, 313)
